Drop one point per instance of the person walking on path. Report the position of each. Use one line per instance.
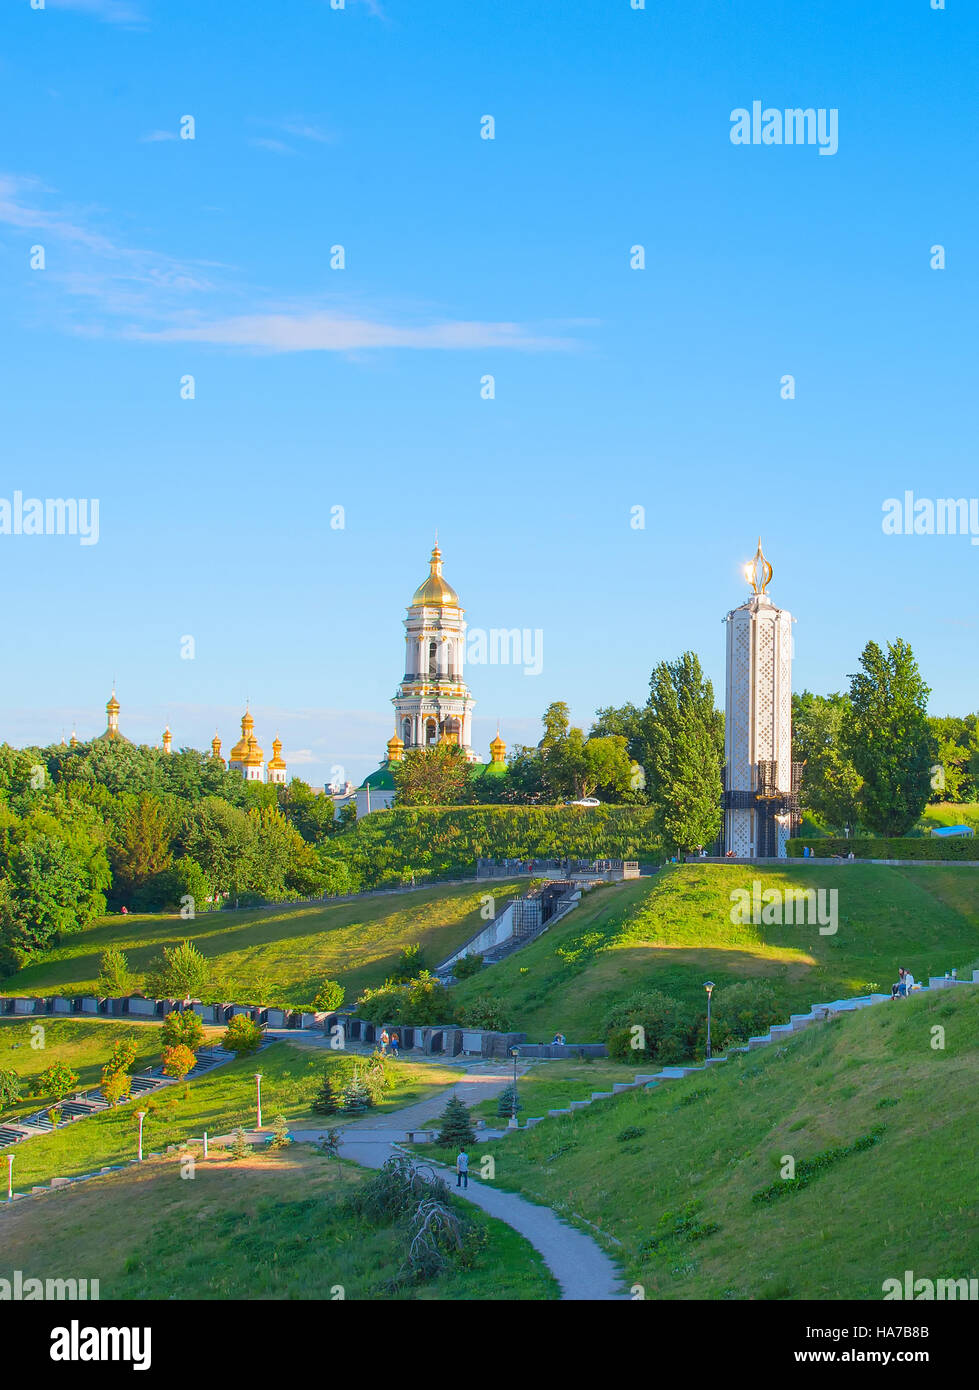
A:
(462, 1169)
(385, 1039)
(395, 1044)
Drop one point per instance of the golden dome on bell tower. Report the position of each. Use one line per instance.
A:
(277, 762)
(497, 749)
(435, 592)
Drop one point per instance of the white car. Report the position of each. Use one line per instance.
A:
(586, 801)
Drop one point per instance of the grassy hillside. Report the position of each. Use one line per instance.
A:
(85, 1046)
(217, 1103)
(674, 931)
(274, 1226)
(277, 955)
(673, 1173)
(951, 813)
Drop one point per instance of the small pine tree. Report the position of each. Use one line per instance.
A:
(356, 1097)
(509, 1102)
(329, 1098)
(280, 1138)
(457, 1130)
(240, 1147)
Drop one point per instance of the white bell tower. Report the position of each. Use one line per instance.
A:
(433, 701)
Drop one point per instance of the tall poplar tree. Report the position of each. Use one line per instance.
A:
(886, 735)
(686, 748)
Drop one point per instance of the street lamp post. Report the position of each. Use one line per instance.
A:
(514, 1053)
(141, 1116)
(258, 1096)
(709, 987)
(10, 1177)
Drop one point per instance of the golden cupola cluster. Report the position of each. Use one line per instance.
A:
(247, 756)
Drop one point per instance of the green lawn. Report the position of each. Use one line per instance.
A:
(278, 955)
(217, 1103)
(674, 931)
(552, 1085)
(951, 813)
(273, 1226)
(672, 1172)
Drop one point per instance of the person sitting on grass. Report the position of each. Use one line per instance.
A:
(902, 987)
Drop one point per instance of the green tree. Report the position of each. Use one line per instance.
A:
(240, 1147)
(181, 972)
(329, 996)
(281, 1138)
(329, 1097)
(686, 753)
(435, 776)
(115, 978)
(356, 1096)
(886, 736)
(830, 782)
(456, 1129)
(509, 1101)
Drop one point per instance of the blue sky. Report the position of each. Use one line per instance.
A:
(466, 257)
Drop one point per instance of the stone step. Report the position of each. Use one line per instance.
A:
(566, 1111)
(580, 1104)
(601, 1095)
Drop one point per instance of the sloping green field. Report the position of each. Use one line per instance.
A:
(278, 955)
(673, 1173)
(272, 1226)
(674, 931)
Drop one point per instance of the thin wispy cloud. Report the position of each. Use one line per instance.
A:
(274, 146)
(110, 289)
(330, 332)
(156, 135)
(109, 11)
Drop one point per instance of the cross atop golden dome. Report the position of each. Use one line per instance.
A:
(759, 572)
(435, 592)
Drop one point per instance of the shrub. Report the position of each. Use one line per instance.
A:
(664, 1032)
(178, 1060)
(185, 1028)
(468, 966)
(411, 962)
(11, 960)
(57, 1080)
(487, 1011)
(630, 1132)
(456, 1130)
(329, 996)
(423, 1000)
(242, 1036)
(739, 1012)
(10, 1088)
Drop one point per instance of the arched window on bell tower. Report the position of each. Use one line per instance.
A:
(406, 732)
(432, 660)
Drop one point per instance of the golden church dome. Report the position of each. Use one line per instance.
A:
(277, 762)
(239, 752)
(396, 749)
(435, 592)
(254, 756)
(497, 749)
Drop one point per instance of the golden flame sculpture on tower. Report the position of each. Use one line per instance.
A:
(759, 573)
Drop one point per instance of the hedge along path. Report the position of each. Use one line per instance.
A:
(583, 1270)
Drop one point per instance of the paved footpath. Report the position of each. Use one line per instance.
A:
(582, 1269)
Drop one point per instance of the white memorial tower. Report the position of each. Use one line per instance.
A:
(760, 782)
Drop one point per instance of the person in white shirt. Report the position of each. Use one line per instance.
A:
(908, 982)
(462, 1169)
